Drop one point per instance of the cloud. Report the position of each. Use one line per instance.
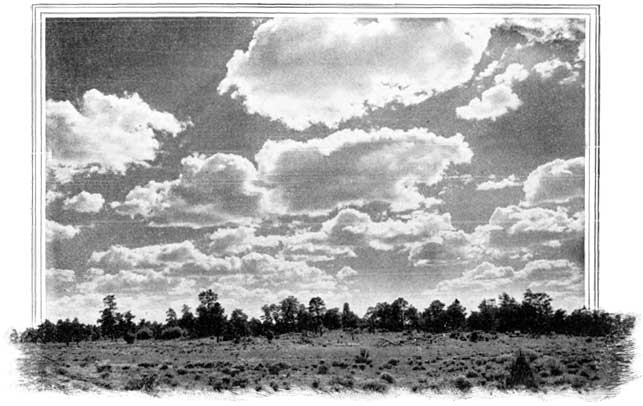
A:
(497, 100)
(59, 282)
(107, 132)
(560, 278)
(486, 277)
(55, 231)
(209, 191)
(516, 220)
(84, 202)
(303, 71)
(488, 71)
(510, 181)
(346, 273)
(547, 29)
(173, 259)
(549, 68)
(354, 166)
(557, 181)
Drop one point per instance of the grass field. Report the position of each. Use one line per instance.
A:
(333, 362)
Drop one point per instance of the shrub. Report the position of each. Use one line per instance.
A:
(103, 368)
(554, 366)
(520, 373)
(145, 382)
(463, 384)
(322, 370)
(363, 357)
(171, 333)
(129, 338)
(375, 386)
(386, 377)
(346, 382)
(144, 334)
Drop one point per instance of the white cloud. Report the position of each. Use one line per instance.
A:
(547, 28)
(209, 191)
(303, 71)
(516, 220)
(107, 131)
(353, 166)
(346, 273)
(510, 181)
(173, 259)
(59, 282)
(55, 231)
(488, 71)
(497, 100)
(84, 202)
(514, 72)
(557, 181)
(547, 68)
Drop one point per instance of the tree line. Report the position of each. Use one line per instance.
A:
(534, 314)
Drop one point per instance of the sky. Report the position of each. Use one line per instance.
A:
(359, 160)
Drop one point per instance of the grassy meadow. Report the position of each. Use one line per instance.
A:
(336, 361)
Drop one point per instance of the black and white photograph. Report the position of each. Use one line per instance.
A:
(341, 200)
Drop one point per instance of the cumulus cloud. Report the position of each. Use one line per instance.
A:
(173, 259)
(106, 132)
(354, 166)
(510, 181)
(516, 219)
(59, 282)
(547, 29)
(557, 181)
(346, 273)
(209, 191)
(560, 278)
(85, 202)
(497, 100)
(303, 71)
(55, 231)
(548, 68)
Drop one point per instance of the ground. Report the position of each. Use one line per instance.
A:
(336, 361)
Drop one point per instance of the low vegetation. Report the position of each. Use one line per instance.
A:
(503, 345)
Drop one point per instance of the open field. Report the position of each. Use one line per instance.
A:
(333, 362)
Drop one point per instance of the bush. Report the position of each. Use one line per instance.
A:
(144, 334)
(339, 382)
(129, 338)
(386, 377)
(171, 333)
(146, 383)
(375, 386)
(363, 357)
(520, 373)
(322, 370)
(463, 384)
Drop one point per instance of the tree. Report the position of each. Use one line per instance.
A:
(433, 318)
(455, 316)
(171, 318)
(332, 320)
(536, 312)
(349, 319)
(317, 309)
(509, 317)
(238, 323)
(288, 309)
(187, 321)
(398, 310)
(211, 318)
(107, 320)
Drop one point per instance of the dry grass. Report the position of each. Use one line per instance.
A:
(371, 362)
